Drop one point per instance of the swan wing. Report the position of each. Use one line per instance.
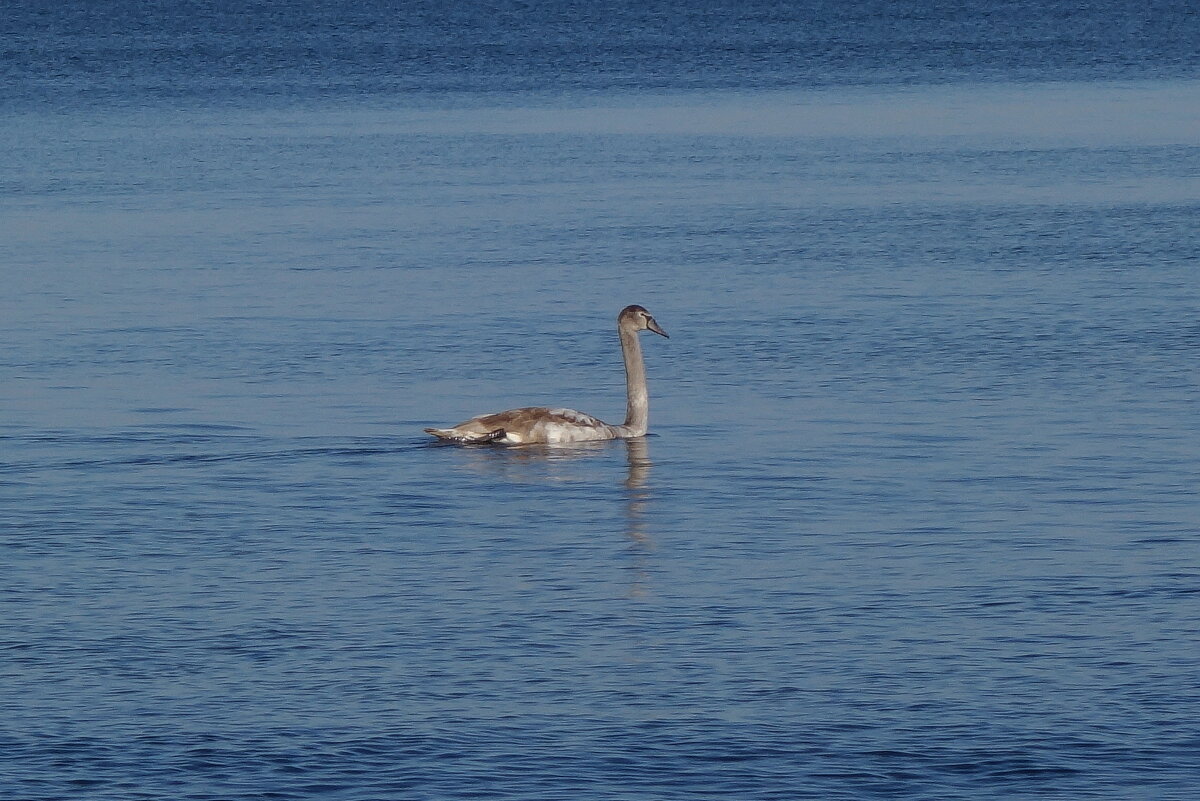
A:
(528, 425)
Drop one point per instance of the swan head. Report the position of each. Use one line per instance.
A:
(640, 319)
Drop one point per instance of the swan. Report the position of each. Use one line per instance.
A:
(541, 425)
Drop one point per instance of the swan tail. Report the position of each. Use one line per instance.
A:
(466, 437)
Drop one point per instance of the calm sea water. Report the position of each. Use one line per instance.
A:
(918, 515)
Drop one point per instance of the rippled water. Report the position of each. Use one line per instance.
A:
(917, 517)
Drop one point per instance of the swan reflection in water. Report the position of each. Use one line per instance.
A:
(575, 463)
(637, 500)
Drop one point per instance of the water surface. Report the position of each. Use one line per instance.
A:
(917, 517)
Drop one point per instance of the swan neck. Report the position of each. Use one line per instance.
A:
(637, 408)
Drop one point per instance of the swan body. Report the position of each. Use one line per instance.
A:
(542, 425)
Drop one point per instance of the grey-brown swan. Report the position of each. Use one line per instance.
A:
(541, 425)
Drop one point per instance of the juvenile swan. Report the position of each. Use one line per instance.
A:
(537, 424)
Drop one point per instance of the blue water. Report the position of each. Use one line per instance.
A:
(917, 518)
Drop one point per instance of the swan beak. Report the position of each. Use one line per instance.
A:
(653, 326)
